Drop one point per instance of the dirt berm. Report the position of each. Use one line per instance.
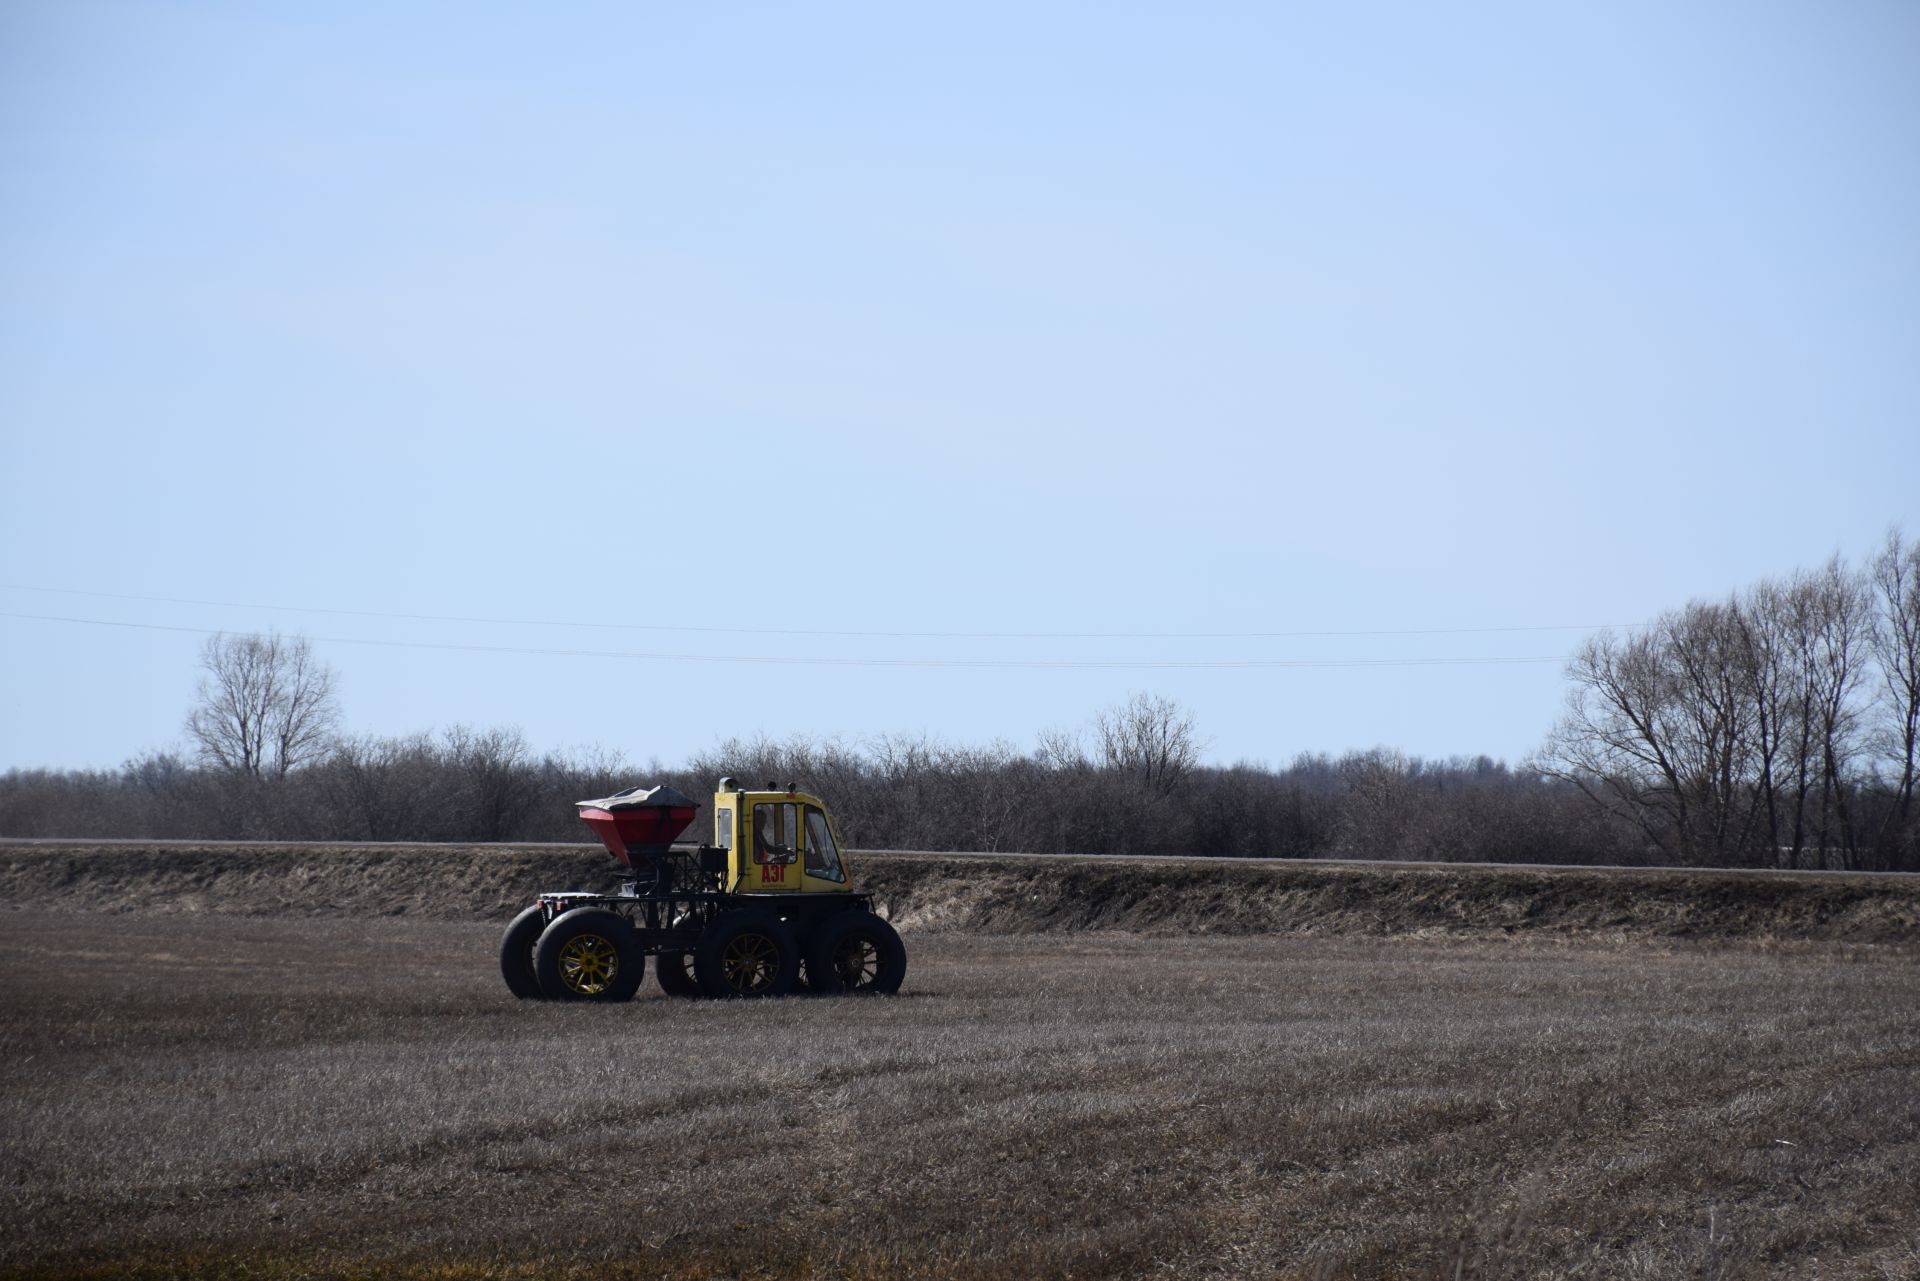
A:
(997, 894)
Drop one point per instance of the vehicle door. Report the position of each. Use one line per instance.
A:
(773, 847)
(821, 868)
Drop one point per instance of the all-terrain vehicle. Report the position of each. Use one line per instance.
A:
(768, 901)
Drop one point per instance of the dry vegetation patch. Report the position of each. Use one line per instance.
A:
(279, 1098)
(1002, 894)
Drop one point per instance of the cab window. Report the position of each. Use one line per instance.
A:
(823, 857)
(723, 827)
(776, 830)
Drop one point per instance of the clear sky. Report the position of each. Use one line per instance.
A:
(1197, 318)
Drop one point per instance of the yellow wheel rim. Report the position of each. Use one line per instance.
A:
(750, 963)
(588, 964)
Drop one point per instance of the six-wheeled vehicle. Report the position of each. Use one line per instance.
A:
(765, 909)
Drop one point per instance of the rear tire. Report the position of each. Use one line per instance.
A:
(589, 954)
(747, 953)
(516, 954)
(856, 953)
(675, 972)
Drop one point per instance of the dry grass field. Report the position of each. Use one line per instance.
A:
(252, 1097)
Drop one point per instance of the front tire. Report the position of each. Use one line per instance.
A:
(589, 954)
(747, 953)
(856, 952)
(516, 954)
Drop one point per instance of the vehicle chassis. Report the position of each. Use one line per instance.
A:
(673, 897)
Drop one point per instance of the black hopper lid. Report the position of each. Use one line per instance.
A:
(639, 798)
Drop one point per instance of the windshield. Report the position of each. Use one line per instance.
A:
(823, 856)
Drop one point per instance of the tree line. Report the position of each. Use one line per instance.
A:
(895, 792)
(1775, 728)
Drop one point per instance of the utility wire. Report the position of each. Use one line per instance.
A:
(796, 661)
(791, 631)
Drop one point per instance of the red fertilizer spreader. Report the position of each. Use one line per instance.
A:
(639, 825)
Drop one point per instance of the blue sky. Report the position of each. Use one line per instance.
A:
(1382, 318)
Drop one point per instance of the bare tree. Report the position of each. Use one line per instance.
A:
(1737, 730)
(501, 782)
(1763, 645)
(1662, 728)
(1382, 801)
(381, 789)
(1895, 579)
(1827, 619)
(1615, 744)
(1061, 749)
(266, 704)
(1712, 724)
(1150, 738)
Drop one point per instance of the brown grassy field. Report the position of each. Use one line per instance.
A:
(189, 1094)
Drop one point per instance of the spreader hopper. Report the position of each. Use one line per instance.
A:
(639, 823)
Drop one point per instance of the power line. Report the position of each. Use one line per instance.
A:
(793, 631)
(801, 661)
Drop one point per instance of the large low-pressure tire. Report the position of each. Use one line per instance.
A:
(675, 972)
(589, 954)
(516, 954)
(747, 953)
(856, 952)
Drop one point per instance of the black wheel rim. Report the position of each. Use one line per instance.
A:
(856, 962)
(750, 963)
